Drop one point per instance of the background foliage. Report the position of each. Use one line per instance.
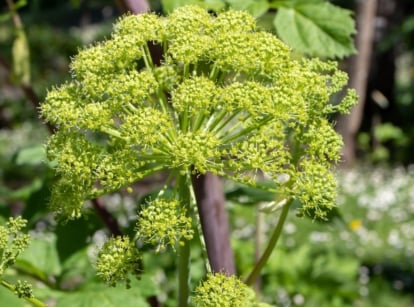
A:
(362, 256)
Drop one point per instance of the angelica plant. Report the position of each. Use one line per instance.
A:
(228, 98)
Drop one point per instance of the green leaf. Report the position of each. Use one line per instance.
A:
(276, 4)
(169, 5)
(99, 295)
(334, 268)
(22, 193)
(255, 7)
(80, 229)
(77, 268)
(8, 298)
(36, 203)
(41, 258)
(215, 5)
(317, 29)
(33, 155)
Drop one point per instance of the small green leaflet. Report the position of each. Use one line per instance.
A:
(316, 28)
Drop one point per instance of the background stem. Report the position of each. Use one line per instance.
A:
(209, 195)
(271, 245)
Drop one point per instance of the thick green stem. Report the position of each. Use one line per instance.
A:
(184, 274)
(32, 300)
(271, 245)
(184, 185)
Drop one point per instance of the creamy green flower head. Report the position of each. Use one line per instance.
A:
(117, 259)
(23, 289)
(221, 290)
(164, 223)
(227, 98)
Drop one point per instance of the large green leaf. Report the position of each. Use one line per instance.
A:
(80, 229)
(316, 28)
(40, 258)
(8, 298)
(76, 270)
(100, 295)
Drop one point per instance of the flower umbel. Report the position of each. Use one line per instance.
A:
(221, 290)
(118, 258)
(164, 222)
(23, 289)
(227, 98)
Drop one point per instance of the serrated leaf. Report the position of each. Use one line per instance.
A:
(317, 29)
(254, 7)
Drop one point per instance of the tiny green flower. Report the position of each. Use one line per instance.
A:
(221, 290)
(118, 258)
(164, 223)
(12, 242)
(23, 289)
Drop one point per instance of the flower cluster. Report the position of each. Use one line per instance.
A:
(164, 222)
(12, 242)
(227, 98)
(118, 258)
(23, 289)
(221, 290)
